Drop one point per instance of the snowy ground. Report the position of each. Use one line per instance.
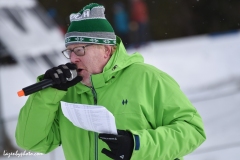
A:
(207, 69)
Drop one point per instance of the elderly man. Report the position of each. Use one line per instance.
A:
(154, 118)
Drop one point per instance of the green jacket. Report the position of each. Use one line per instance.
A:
(143, 99)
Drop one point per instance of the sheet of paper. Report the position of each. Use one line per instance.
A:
(90, 117)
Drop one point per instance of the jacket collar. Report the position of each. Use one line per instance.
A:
(119, 60)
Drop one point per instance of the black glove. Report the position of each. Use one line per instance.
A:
(121, 145)
(60, 74)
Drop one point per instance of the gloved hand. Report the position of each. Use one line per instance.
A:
(121, 145)
(60, 74)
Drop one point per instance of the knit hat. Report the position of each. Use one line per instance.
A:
(90, 26)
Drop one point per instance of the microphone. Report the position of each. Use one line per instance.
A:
(42, 85)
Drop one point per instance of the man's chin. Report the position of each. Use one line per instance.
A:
(86, 83)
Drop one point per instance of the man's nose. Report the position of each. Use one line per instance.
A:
(74, 57)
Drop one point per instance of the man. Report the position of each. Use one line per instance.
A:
(154, 118)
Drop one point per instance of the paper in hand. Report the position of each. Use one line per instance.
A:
(90, 117)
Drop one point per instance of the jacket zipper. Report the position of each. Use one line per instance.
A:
(96, 135)
(94, 95)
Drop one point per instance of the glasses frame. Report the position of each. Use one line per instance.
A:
(72, 50)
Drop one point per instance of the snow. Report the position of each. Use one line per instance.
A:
(38, 37)
(210, 58)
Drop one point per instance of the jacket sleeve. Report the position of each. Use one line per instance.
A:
(177, 128)
(38, 129)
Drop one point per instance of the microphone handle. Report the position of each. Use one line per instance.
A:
(43, 84)
(37, 86)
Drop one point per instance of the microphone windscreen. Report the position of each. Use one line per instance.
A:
(73, 75)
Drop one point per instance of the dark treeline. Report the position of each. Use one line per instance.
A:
(168, 18)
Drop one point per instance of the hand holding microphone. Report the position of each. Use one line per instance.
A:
(61, 78)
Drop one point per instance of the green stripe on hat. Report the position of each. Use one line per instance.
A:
(78, 39)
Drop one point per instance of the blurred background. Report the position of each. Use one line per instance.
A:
(196, 42)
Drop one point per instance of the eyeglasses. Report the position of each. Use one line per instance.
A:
(79, 51)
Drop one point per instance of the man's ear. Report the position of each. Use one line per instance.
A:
(108, 51)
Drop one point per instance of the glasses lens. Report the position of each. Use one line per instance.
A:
(79, 51)
(67, 53)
